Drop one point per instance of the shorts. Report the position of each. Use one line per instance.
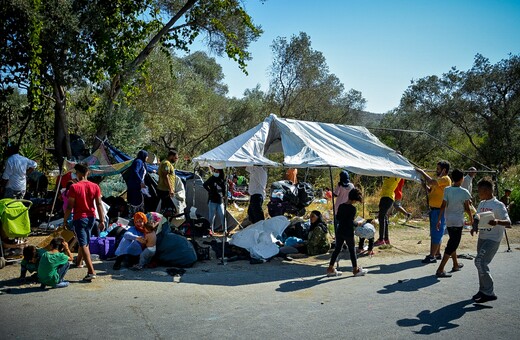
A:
(398, 204)
(435, 234)
(83, 230)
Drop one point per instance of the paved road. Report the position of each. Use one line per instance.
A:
(277, 300)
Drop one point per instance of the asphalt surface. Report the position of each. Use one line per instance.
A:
(399, 298)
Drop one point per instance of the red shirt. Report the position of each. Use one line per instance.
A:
(84, 193)
(399, 190)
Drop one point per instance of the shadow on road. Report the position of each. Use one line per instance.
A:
(295, 285)
(410, 285)
(395, 267)
(441, 319)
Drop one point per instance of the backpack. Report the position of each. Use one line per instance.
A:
(305, 194)
(319, 242)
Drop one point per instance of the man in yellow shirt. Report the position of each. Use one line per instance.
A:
(435, 189)
(385, 203)
(166, 185)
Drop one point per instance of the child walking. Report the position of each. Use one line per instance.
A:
(345, 234)
(456, 201)
(489, 239)
(149, 241)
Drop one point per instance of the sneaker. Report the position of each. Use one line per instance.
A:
(379, 242)
(458, 268)
(484, 298)
(371, 253)
(429, 259)
(62, 284)
(408, 217)
(361, 272)
(387, 241)
(89, 277)
(334, 273)
(438, 257)
(476, 296)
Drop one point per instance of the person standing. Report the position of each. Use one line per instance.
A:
(257, 183)
(489, 239)
(134, 178)
(398, 204)
(456, 201)
(341, 191)
(166, 185)
(385, 203)
(81, 198)
(345, 234)
(467, 183)
(17, 168)
(216, 187)
(435, 188)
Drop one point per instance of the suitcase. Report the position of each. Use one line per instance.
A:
(105, 247)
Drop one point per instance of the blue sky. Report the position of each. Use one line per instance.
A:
(378, 47)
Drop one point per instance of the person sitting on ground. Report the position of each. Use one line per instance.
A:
(54, 264)
(30, 262)
(319, 239)
(456, 201)
(149, 241)
(489, 239)
(129, 248)
(345, 234)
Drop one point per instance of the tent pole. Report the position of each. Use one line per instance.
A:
(56, 195)
(333, 214)
(224, 223)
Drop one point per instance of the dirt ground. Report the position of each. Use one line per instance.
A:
(410, 239)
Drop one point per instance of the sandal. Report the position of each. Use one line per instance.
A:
(442, 275)
(457, 269)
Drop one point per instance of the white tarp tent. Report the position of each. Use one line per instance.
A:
(310, 145)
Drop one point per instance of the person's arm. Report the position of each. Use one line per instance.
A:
(428, 179)
(66, 250)
(207, 184)
(467, 209)
(443, 207)
(130, 236)
(70, 204)
(101, 212)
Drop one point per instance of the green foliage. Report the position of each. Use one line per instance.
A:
(478, 111)
(511, 180)
(302, 87)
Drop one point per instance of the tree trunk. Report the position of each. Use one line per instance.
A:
(61, 131)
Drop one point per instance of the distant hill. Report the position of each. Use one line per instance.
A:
(369, 118)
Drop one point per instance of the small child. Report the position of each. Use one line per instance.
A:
(54, 264)
(456, 201)
(149, 241)
(361, 246)
(489, 238)
(30, 262)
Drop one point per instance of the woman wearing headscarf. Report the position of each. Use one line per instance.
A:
(129, 248)
(134, 178)
(319, 238)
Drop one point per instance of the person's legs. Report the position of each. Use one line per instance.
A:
(62, 270)
(146, 257)
(352, 252)
(370, 244)
(337, 249)
(212, 210)
(436, 235)
(119, 260)
(385, 203)
(486, 250)
(82, 228)
(456, 235)
(450, 248)
(255, 211)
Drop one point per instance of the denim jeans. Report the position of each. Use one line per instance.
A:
(218, 210)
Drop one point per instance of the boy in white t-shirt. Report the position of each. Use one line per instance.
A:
(489, 239)
(456, 201)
